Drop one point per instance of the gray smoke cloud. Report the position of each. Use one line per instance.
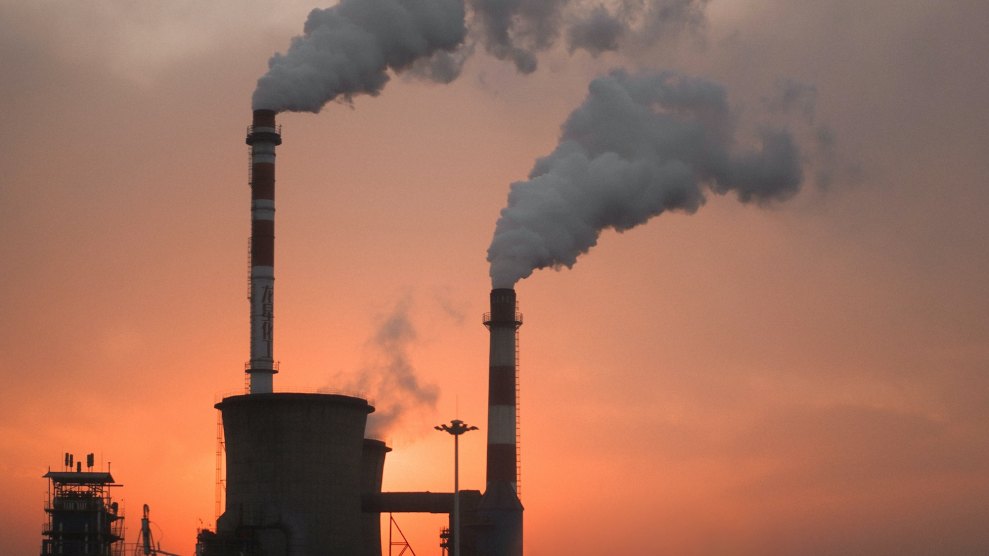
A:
(632, 23)
(517, 30)
(597, 32)
(389, 377)
(347, 50)
(442, 67)
(638, 146)
(793, 96)
(794, 99)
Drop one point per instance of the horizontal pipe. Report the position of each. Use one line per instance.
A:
(416, 502)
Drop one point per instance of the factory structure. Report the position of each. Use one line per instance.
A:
(82, 517)
(301, 477)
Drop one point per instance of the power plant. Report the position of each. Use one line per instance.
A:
(301, 478)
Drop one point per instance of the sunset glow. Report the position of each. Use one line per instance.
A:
(803, 373)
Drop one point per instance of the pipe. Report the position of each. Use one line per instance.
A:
(263, 136)
(416, 502)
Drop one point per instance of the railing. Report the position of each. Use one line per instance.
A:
(219, 397)
(486, 318)
(87, 504)
(274, 366)
(278, 129)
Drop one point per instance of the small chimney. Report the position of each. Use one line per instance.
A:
(263, 136)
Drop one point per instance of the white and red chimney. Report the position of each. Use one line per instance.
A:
(263, 136)
(503, 322)
(499, 507)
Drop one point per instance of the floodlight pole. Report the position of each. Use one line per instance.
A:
(456, 428)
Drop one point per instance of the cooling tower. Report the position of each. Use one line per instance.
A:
(372, 472)
(295, 473)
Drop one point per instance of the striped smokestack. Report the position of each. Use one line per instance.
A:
(500, 508)
(262, 136)
(503, 322)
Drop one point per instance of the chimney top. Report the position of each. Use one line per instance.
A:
(264, 118)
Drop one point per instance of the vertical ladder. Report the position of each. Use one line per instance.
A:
(250, 164)
(250, 183)
(220, 482)
(518, 426)
(250, 256)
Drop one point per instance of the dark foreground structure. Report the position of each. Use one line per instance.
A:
(301, 479)
(82, 517)
(296, 470)
(499, 526)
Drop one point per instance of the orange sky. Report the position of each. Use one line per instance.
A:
(809, 378)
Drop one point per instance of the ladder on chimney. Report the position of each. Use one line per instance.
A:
(250, 183)
(518, 427)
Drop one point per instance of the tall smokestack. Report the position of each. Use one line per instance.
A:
(500, 505)
(503, 322)
(262, 136)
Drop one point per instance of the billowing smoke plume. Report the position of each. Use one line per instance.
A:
(639, 145)
(634, 24)
(347, 50)
(517, 30)
(389, 378)
(794, 99)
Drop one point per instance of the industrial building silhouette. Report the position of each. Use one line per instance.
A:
(301, 478)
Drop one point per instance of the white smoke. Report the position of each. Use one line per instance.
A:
(389, 376)
(348, 49)
(639, 145)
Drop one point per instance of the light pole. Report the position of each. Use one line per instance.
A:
(456, 428)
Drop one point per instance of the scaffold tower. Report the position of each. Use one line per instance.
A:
(82, 517)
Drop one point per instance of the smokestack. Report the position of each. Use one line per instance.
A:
(503, 322)
(262, 136)
(500, 506)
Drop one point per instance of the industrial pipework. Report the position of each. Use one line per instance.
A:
(263, 136)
